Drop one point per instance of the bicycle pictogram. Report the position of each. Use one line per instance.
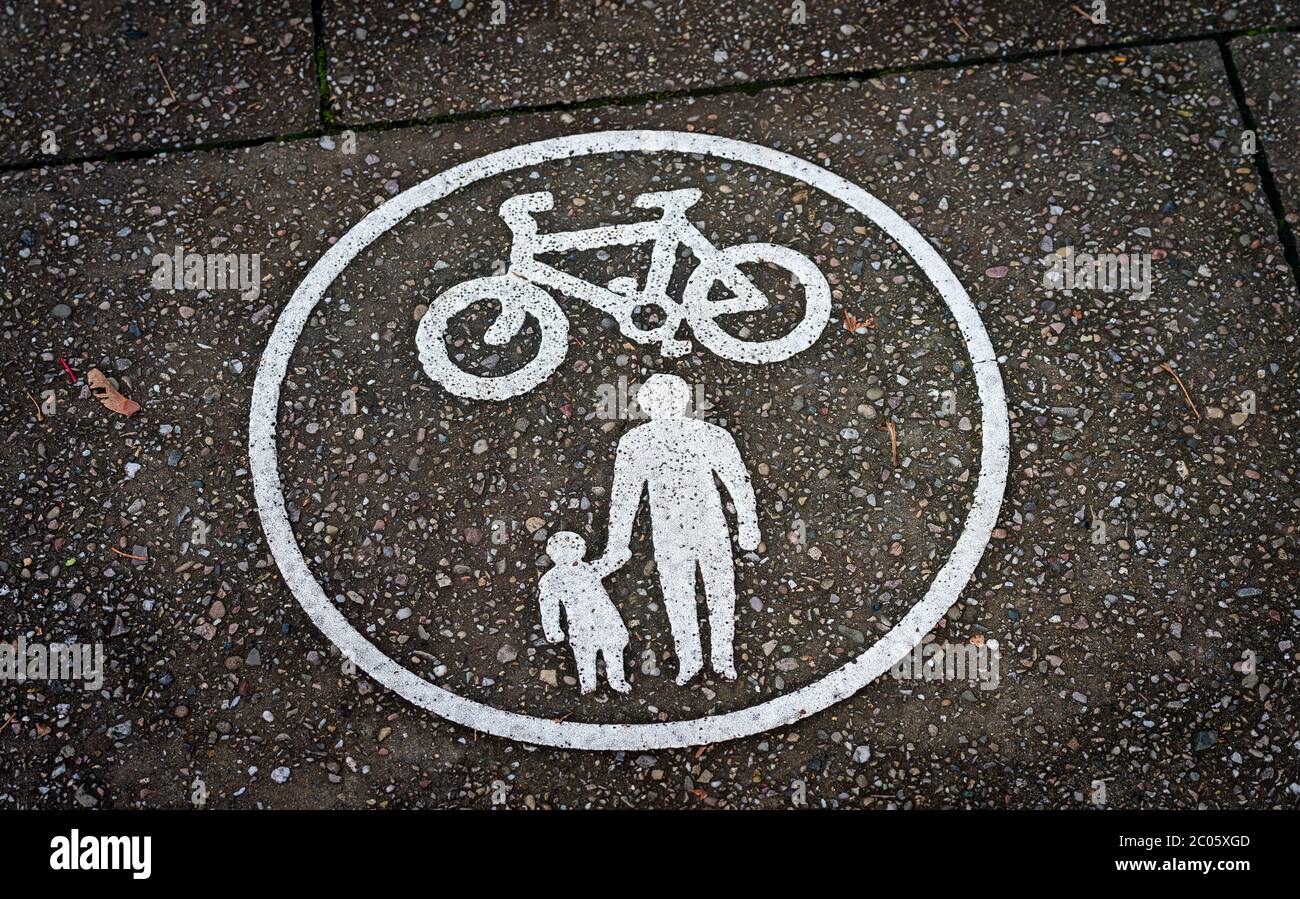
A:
(520, 293)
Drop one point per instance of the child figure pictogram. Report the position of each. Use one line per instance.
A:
(594, 625)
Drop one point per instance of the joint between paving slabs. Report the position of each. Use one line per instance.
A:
(330, 125)
(325, 109)
(1286, 237)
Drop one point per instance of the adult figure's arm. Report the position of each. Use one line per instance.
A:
(735, 477)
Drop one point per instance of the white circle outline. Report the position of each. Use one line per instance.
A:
(780, 710)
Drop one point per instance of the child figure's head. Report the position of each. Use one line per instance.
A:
(565, 546)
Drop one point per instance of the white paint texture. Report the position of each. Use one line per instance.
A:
(942, 592)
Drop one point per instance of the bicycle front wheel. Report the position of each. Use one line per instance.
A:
(702, 313)
(517, 298)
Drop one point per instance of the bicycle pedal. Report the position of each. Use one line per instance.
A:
(675, 348)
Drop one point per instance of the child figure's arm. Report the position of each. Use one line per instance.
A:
(550, 604)
(605, 565)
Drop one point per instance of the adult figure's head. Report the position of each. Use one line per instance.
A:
(664, 396)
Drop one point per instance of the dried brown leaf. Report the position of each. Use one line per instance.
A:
(107, 394)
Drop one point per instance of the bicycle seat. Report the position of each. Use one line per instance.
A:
(668, 200)
(523, 205)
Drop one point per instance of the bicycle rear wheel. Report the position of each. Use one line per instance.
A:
(517, 299)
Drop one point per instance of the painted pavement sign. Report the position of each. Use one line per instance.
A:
(694, 255)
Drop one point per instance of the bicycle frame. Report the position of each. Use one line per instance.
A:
(621, 296)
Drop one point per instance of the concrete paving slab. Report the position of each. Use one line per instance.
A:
(393, 61)
(1269, 66)
(102, 78)
(1136, 583)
